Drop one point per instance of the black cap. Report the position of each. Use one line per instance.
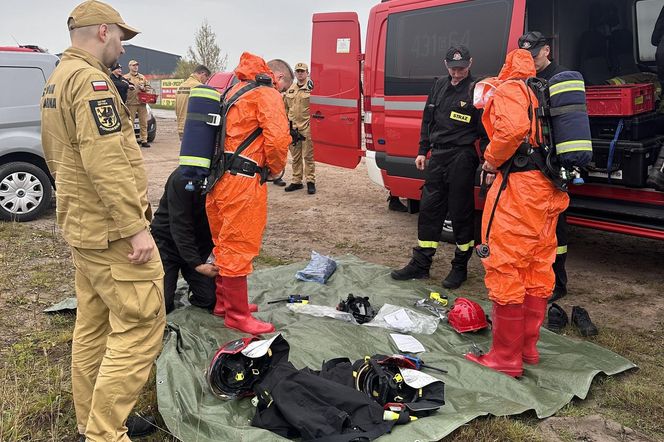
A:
(116, 66)
(532, 41)
(458, 57)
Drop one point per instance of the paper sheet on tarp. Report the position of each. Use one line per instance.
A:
(192, 413)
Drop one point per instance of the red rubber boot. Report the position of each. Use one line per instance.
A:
(534, 310)
(507, 329)
(219, 309)
(236, 302)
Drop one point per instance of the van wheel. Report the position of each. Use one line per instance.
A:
(25, 191)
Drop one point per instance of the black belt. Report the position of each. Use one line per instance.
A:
(246, 167)
(522, 163)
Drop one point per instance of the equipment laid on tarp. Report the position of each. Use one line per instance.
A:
(319, 269)
(192, 413)
(359, 307)
(240, 363)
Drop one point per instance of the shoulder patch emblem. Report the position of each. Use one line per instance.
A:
(106, 116)
(100, 85)
(462, 103)
(310, 84)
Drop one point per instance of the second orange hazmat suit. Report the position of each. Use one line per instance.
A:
(237, 205)
(522, 239)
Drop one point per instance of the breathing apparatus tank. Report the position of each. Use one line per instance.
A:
(200, 134)
(569, 124)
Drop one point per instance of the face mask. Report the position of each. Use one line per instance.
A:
(481, 94)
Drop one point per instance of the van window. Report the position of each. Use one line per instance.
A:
(21, 86)
(417, 42)
(647, 12)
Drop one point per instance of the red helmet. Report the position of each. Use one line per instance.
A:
(466, 315)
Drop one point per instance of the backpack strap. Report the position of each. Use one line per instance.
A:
(218, 165)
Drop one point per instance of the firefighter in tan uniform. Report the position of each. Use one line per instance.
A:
(141, 84)
(199, 76)
(302, 150)
(103, 211)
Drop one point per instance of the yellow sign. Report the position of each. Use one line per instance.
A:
(639, 100)
(460, 117)
(168, 89)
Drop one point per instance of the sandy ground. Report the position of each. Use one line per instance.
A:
(615, 277)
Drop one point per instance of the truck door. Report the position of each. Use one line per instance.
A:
(335, 99)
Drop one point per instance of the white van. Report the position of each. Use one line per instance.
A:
(26, 187)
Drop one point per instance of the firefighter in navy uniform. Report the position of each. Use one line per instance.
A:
(450, 128)
(535, 43)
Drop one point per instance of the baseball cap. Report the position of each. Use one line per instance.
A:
(132, 62)
(94, 12)
(458, 57)
(532, 41)
(301, 67)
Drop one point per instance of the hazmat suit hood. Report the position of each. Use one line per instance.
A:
(251, 65)
(519, 64)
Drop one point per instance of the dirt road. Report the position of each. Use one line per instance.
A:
(617, 278)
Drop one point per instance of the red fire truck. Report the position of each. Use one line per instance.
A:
(386, 85)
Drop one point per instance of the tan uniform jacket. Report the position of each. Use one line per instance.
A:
(297, 105)
(91, 150)
(139, 82)
(182, 100)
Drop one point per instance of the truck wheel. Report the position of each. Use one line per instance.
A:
(25, 191)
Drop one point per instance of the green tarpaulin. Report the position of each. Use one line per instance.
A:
(192, 413)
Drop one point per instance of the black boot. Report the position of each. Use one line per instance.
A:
(560, 290)
(418, 267)
(459, 272)
(581, 320)
(395, 204)
(557, 318)
(140, 426)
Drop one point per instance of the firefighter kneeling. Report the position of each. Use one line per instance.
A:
(522, 238)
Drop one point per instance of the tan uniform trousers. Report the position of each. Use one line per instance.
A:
(142, 111)
(303, 158)
(119, 328)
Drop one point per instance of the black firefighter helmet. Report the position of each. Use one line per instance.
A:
(240, 363)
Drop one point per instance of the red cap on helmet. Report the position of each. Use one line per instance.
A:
(466, 315)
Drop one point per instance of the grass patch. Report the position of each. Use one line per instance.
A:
(264, 260)
(519, 429)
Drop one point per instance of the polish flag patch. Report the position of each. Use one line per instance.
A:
(100, 85)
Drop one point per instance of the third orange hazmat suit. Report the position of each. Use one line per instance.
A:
(522, 239)
(237, 204)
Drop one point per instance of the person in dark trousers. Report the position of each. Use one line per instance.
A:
(537, 45)
(657, 39)
(180, 229)
(450, 128)
(120, 83)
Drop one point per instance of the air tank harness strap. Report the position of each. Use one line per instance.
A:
(244, 166)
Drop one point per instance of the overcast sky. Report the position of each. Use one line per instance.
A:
(272, 29)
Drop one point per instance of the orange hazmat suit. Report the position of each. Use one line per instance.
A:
(237, 205)
(523, 233)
